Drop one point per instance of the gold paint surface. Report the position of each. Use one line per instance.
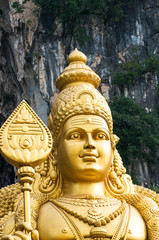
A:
(81, 190)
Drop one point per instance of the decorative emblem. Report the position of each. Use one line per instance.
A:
(95, 213)
(24, 139)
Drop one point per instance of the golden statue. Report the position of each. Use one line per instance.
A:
(80, 190)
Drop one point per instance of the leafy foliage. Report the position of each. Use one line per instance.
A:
(19, 7)
(72, 13)
(138, 130)
(134, 69)
(155, 188)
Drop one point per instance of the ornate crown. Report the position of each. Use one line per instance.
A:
(78, 95)
(77, 72)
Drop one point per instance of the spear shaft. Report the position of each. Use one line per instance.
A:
(25, 175)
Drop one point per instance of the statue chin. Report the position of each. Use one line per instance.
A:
(78, 188)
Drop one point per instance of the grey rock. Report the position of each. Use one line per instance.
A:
(32, 59)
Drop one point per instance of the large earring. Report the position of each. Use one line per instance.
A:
(48, 179)
(118, 182)
(114, 140)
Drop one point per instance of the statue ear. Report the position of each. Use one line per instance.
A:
(115, 139)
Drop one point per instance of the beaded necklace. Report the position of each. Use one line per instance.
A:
(94, 212)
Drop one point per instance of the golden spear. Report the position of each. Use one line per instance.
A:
(25, 142)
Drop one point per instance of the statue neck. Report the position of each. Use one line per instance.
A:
(73, 189)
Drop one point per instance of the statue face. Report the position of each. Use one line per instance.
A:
(84, 151)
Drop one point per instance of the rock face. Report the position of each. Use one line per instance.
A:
(31, 58)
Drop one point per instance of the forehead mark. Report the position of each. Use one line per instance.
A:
(91, 120)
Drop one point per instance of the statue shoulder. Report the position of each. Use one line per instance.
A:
(137, 226)
(52, 224)
(146, 202)
(147, 193)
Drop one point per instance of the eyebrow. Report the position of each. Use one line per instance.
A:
(101, 129)
(95, 130)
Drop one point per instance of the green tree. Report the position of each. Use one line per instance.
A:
(133, 70)
(73, 13)
(138, 130)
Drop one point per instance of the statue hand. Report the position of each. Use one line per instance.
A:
(22, 233)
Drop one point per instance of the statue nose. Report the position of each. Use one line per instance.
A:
(89, 143)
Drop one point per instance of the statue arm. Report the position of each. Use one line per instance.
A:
(149, 210)
(22, 232)
(9, 198)
(12, 213)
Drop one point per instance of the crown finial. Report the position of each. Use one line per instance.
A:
(76, 55)
(77, 72)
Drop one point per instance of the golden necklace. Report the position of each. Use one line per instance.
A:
(89, 202)
(95, 213)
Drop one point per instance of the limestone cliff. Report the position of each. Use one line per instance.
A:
(32, 56)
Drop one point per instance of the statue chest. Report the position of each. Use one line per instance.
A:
(61, 220)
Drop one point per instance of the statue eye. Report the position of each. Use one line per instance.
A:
(75, 135)
(101, 136)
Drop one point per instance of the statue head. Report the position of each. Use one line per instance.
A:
(81, 112)
(80, 115)
(84, 151)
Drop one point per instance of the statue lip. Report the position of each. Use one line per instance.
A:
(89, 157)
